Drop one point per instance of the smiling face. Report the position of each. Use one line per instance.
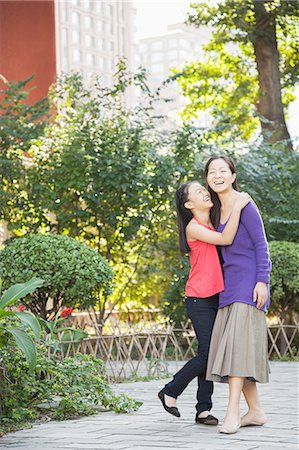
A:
(198, 197)
(219, 176)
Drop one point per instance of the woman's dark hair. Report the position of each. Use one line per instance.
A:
(215, 210)
(184, 215)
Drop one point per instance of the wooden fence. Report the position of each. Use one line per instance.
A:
(143, 352)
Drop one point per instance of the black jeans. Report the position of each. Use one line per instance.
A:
(202, 312)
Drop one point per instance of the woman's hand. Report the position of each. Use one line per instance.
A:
(260, 294)
(242, 199)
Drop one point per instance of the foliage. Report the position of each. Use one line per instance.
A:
(61, 389)
(19, 124)
(173, 302)
(225, 82)
(16, 327)
(284, 279)
(101, 172)
(61, 337)
(73, 273)
(269, 174)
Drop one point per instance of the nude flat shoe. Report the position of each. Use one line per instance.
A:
(229, 430)
(253, 423)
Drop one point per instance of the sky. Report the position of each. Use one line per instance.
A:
(152, 17)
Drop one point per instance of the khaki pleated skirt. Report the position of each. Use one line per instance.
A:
(239, 344)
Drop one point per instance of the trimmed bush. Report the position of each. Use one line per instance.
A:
(284, 279)
(74, 274)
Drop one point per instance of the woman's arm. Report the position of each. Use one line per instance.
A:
(253, 223)
(195, 231)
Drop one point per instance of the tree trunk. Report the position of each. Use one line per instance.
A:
(269, 106)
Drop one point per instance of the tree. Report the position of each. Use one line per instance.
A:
(250, 68)
(73, 274)
(269, 174)
(19, 124)
(100, 172)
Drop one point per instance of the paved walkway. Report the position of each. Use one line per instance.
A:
(151, 428)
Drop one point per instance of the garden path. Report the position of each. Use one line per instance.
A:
(151, 428)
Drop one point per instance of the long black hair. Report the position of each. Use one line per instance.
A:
(184, 215)
(215, 210)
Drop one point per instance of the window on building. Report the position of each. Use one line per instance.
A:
(75, 2)
(172, 43)
(158, 45)
(99, 26)
(101, 63)
(64, 37)
(63, 12)
(157, 68)
(87, 4)
(157, 56)
(76, 55)
(88, 21)
(111, 28)
(89, 40)
(75, 36)
(172, 54)
(111, 11)
(101, 44)
(112, 46)
(90, 60)
(75, 18)
(183, 55)
(65, 59)
(123, 15)
(99, 6)
(184, 43)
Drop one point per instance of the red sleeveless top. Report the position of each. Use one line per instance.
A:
(205, 277)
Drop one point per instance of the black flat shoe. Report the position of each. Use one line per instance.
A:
(170, 409)
(209, 420)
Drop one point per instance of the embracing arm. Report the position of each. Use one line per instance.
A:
(198, 232)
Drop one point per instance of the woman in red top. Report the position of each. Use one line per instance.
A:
(198, 238)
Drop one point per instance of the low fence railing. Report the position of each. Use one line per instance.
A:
(146, 352)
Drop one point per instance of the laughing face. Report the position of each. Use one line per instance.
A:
(219, 176)
(198, 197)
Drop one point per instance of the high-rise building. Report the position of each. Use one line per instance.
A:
(92, 35)
(48, 37)
(158, 54)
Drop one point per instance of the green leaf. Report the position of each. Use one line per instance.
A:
(25, 344)
(20, 290)
(31, 320)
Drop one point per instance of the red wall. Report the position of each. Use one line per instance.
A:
(27, 44)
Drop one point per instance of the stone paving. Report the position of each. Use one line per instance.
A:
(151, 428)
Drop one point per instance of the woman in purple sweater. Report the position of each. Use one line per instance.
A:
(238, 350)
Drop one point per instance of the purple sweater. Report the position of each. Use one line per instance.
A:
(246, 260)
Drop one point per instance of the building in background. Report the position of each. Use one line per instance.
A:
(27, 44)
(158, 54)
(91, 36)
(48, 37)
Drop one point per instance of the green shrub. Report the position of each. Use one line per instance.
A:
(284, 279)
(73, 273)
(60, 389)
(173, 304)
